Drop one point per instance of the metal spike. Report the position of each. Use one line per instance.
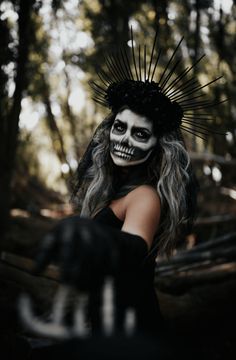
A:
(167, 78)
(157, 60)
(171, 86)
(122, 66)
(190, 99)
(193, 133)
(200, 131)
(106, 77)
(103, 80)
(103, 103)
(112, 70)
(199, 106)
(197, 118)
(170, 60)
(196, 103)
(100, 98)
(197, 88)
(145, 62)
(189, 83)
(195, 124)
(139, 62)
(132, 45)
(201, 114)
(99, 95)
(127, 63)
(116, 68)
(153, 47)
(182, 75)
(97, 86)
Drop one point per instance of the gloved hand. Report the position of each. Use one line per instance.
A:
(87, 251)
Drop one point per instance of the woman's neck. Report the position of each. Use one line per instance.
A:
(127, 178)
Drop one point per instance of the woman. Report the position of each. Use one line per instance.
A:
(137, 183)
(135, 190)
(161, 164)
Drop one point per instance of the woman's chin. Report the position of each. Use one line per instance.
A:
(119, 161)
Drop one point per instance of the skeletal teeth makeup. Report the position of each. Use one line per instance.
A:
(131, 139)
(123, 149)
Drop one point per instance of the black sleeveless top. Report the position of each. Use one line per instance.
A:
(140, 295)
(107, 216)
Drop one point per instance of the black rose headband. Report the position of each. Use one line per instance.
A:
(173, 101)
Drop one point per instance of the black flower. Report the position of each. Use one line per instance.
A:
(145, 98)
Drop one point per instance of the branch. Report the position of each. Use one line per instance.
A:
(202, 157)
(220, 249)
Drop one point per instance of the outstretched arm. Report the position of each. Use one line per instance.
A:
(87, 251)
(142, 214)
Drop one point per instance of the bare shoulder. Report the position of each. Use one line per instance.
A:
(142, 212)
(145, 194)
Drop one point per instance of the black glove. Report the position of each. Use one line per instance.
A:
(86, 251)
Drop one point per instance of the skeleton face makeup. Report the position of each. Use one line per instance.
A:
(131, 138)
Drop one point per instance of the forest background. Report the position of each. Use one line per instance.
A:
(49, 51)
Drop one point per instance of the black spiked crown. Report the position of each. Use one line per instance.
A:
(173, 102)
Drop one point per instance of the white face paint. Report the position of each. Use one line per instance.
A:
(131, 138)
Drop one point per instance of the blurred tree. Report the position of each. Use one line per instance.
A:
(9, 120)
(223, 39)
(161, 9)
(106, 24)
(16, 54)
(38, 69)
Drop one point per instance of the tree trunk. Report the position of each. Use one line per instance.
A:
(72, 119)
(54, 130)
(161, 21)
(10, 127)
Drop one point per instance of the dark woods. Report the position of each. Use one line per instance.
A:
(48, 53)
(25, 73)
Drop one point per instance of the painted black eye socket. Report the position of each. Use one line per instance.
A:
(141, 134)
(118, 126)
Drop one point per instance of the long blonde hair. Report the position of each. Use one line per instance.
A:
(169, 167)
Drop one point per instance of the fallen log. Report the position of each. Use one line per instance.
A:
(26, 264)
(197, 300)
(197, 288)
(221, 249)
(215, 220)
